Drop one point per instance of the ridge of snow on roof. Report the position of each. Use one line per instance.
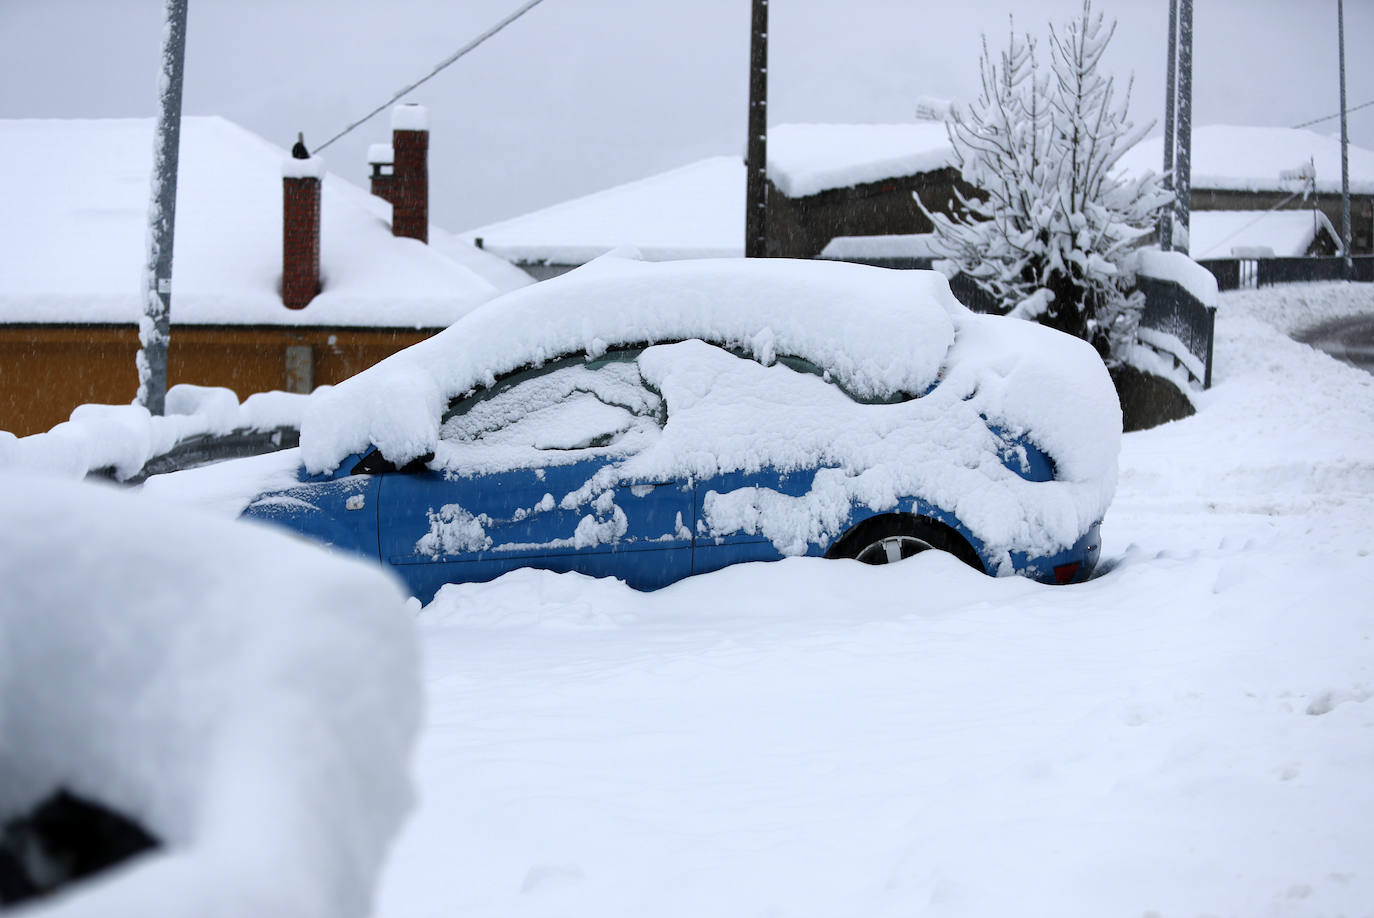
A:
(1289, 233)
(766, 307)
(1238, 158)
(72, 246)
(806, 159)
(694, 211)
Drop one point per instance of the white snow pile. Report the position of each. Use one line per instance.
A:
(247, 699)
(876, 333)
(1189, 733)
(124, 437)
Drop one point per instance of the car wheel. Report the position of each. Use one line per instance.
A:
(891, 538)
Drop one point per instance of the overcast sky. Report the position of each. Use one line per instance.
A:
(582, 94)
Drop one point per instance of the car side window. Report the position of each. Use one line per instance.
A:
(566, 405)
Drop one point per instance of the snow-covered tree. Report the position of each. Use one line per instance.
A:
(1050, 231)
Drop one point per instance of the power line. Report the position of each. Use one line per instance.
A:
(1337, 115)
(531, 4)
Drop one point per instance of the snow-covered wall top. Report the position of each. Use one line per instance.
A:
(1251, 159)
(806, 159)
(904, 245)
(1287, 233)
(1182, 270)
(72, 235)
(696, 211)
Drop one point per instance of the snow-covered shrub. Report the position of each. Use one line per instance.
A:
(1051, 236)
(248, 699)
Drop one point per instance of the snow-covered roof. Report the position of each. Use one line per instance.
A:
(806, 159)
(72, 239)
(1285, 233)
(1251, 159)
(896, 245)
(695, 211)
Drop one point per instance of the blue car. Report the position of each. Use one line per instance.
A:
(650, 455)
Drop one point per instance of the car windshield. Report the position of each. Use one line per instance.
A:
(569, 406)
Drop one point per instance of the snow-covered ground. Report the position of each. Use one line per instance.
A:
(1191, 732)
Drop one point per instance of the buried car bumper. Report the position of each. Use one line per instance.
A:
(1074, 564)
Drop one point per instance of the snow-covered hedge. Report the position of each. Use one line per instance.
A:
(249, 700)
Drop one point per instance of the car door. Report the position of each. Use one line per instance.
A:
(340, 512)
(527, 475)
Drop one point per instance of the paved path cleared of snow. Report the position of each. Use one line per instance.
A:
(1349, 340)
(1192, 732)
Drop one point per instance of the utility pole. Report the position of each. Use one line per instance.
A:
(1184, 160)
(154, 329)
(1345, 145)
(756, 156)
(1166, 219)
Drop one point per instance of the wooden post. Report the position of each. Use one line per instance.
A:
(756, 162)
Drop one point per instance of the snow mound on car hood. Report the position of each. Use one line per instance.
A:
(878, 332)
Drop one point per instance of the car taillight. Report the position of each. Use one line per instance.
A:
(1064, 573)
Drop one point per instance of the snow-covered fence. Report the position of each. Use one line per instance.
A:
(1179, 315)
(1231, 273)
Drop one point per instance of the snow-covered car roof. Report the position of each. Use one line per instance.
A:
(876, 332)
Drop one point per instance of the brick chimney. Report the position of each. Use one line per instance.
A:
(300, 265)
(380, 157)
(408, 188)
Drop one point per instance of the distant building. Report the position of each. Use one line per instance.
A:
(1257, 169)
(840, 180)
(825, 181)
(72, 246)
(1261, 234)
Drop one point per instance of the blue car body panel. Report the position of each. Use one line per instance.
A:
(433, 528)
(640, 532)
(341, 513)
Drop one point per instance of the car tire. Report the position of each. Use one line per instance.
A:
(895, 537)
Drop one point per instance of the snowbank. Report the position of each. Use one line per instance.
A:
(124, 437)
(249, 700)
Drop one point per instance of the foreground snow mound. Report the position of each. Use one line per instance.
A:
(249, 700)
